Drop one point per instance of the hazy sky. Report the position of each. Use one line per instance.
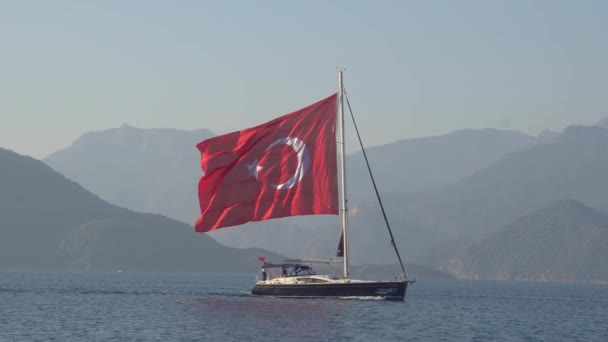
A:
(413, 68)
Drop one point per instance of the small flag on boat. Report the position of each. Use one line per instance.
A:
(285, 167)
(262, 258)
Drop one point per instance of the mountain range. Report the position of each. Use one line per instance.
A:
(156, 170)
(48, 222)
(564, 242)
(477, 182)
(151, 170)
(430, 163)
(573, 166)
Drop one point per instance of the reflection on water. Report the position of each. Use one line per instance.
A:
(270, 318)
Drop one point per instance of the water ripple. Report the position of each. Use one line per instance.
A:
(213, 307)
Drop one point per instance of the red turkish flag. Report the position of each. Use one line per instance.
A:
(285, 167)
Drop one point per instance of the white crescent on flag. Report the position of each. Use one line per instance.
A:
(303, 162)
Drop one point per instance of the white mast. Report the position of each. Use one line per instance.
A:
(344, 209)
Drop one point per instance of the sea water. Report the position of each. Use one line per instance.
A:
(122, 306)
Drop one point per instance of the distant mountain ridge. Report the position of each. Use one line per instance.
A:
(48, 222)
(603, 123)
(574, 166)
(437, 224)
(564, 242)
(146, 170)
(429, 163)
(120, 167)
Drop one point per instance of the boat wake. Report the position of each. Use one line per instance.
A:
(363, 297)
(229, 294)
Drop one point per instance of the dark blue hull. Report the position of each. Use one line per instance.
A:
(387, 290)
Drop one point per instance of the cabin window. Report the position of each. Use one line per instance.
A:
(312, 280)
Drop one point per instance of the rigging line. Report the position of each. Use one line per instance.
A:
(374, 183)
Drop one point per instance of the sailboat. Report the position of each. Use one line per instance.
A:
(288, 167)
